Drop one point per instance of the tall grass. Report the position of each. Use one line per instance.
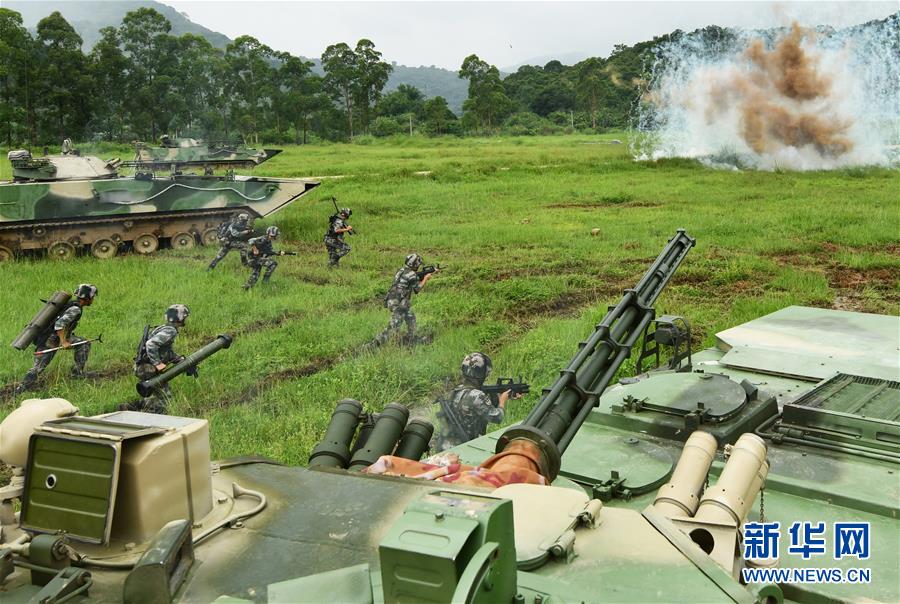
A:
(525, 280)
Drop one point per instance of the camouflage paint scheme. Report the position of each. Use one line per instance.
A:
(191, 153)
(62, 215)
(319, 538)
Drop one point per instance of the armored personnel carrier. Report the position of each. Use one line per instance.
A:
(645, 490)
(188, 153)
(69, 202)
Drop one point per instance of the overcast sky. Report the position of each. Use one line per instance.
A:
(502, 33)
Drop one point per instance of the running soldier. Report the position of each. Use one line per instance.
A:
(399, 297)
(233, 236)
(259, 256)
(465, 413)
(61, 333)
(334, 238)
(154, 354)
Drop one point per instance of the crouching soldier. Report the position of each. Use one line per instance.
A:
(260, 253)
(61, 334)
(155, 352)
(233, 236)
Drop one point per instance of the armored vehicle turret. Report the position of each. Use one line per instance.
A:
(665, 486)
(69, 202)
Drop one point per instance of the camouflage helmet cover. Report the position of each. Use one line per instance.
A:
(272, 232)
(346, 212)
(243, 217)
(86, 291)
(177, 313)
(413, 261)
(476, 365)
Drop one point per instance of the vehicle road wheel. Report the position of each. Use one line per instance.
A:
(6, 254)
(210, 237)
(104, 248)
(61, 250)
(183, 241)
(145, 244)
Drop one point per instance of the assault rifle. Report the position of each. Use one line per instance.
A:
(427, 270)
(517, 385)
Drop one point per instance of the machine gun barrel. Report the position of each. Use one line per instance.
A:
(555, 420)
(146, 387)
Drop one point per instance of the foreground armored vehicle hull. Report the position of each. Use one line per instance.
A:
(648, 491)
(105, 214)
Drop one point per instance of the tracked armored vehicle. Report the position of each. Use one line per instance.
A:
(66, 203)
(627, 491)
(188, 153)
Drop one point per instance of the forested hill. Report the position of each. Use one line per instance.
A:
(89, 16)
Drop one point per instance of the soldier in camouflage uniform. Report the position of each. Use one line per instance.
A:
(259, 256)
(62, 333)
(155, 354)
(334, 238)
(399, 296)
(233, 236)
(465, 413)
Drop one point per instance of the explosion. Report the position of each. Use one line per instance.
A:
(806, 100)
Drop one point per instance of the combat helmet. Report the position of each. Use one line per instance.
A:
(177, 313)
(243, 217)
(346, 212)
(272, 232)
(476, 366)
(86, 291)
(413, 261)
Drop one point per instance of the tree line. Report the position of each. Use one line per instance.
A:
(139, 81)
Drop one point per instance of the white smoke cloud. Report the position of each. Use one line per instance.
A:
(805, 100)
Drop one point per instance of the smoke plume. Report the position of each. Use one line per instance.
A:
(802, 100)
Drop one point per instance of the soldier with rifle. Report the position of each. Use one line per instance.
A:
(59, 334)
(467, 410)
(334, 237)
(233, 235)
(155, 352)
(259, 256)
(408, 280)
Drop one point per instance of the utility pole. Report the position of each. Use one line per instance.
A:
(410, 124)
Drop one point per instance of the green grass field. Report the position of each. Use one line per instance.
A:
(511, 219)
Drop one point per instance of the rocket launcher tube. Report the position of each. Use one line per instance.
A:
(42, 319)
(334, 450)
(553, 423)
(383, 438)
(681, 495)
(414, 440)
(146, 387)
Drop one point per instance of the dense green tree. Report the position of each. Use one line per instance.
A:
(298, 94)
(437, 115)
(15, 78)
(65, 83)
(402, 101)
(592, 80)
(340, 65)
(250, 84)
(371, 76)
(487, 102)
(108, 68)
(145, 39)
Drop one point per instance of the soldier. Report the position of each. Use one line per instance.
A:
(233, 236)
(334, 238)
(406, 283)
(62, 333)
(154, 353)
(465, 413)
(259, 256)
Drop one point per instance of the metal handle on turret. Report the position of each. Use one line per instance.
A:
(146, 387)
(553, 423)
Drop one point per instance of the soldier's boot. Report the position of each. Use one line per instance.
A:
(29, 382)
(251, 280)
(217, 259)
